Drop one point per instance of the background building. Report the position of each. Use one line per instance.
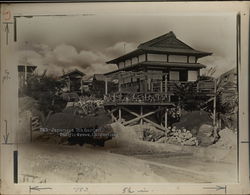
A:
(73, 81)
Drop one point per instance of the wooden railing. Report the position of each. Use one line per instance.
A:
(139, 97)
(203, 88)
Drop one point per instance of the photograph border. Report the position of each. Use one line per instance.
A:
(9, 15)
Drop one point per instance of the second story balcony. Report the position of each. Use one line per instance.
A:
(160, 93)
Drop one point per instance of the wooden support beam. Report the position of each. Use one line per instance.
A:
(166, 118)
(179, 105)
(154, 124)
(69, 84)
(25, 74)
(135, 114)
(81, 86)
(146, 84)
(31, 133)
(160, 117)
(143, 118)
(106, 86)
(161, 86)
(215, 133)
(141, 113)
(113, 118)
(214, 105)
(166, 83)
(120, 114)
(138, 117)
(214, 111)
(119, 86)
(111, 111)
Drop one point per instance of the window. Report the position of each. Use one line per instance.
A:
(157, 57)
(192, 75)
(177, 58)
(142, 58)
(174, 76)
(191, 59)
(121, 65)
(128, 62)
(134, 60)
(183, 75)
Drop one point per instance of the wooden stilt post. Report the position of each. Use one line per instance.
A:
(161, 86)
(145, 83)
(160, 117)
(214, 112)
(166, 86)
(166, 83)
(215, 133)
(106, 86)
(31, 129)
(179, 105)
(120, 115)
(25, 75)
(81, 86)
(112, 118)
(141, 113)
(166, 118)
(119, 84)
(68, 83)
(214, 105)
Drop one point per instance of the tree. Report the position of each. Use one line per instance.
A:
(46, 89)
(188, 97)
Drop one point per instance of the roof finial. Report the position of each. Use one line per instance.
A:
(171, 33)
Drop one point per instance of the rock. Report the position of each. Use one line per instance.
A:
(151, 133)
(191, 142)
(139, 131)
(204, 135)
(227, 140)
(193, 121)
(173, 140)
(163, 140)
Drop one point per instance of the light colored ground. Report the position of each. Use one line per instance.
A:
(124, 159)
(57, 163)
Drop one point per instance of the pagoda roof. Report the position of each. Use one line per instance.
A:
(165, 44)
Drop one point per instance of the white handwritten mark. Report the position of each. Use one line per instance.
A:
(7, 15)
(130, 191)
(6, 136)
(37, 188)
(217, 188)
(80, 189)
(6, 75)
(7, 31)
(127, 190)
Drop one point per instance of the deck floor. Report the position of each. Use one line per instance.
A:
(139, 104)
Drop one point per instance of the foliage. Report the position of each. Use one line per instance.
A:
(208, 73)
(98, 88)
(188, 96)
(45, 89)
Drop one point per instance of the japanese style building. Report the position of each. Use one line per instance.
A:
(73, 81)
(149, 76)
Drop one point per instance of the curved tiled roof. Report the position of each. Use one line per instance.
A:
(165, 44)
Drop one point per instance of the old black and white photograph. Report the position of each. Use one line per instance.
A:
(120, 97)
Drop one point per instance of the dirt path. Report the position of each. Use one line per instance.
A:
(72, 164)
(194, 168)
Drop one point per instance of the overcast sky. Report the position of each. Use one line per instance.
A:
(87, 42)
